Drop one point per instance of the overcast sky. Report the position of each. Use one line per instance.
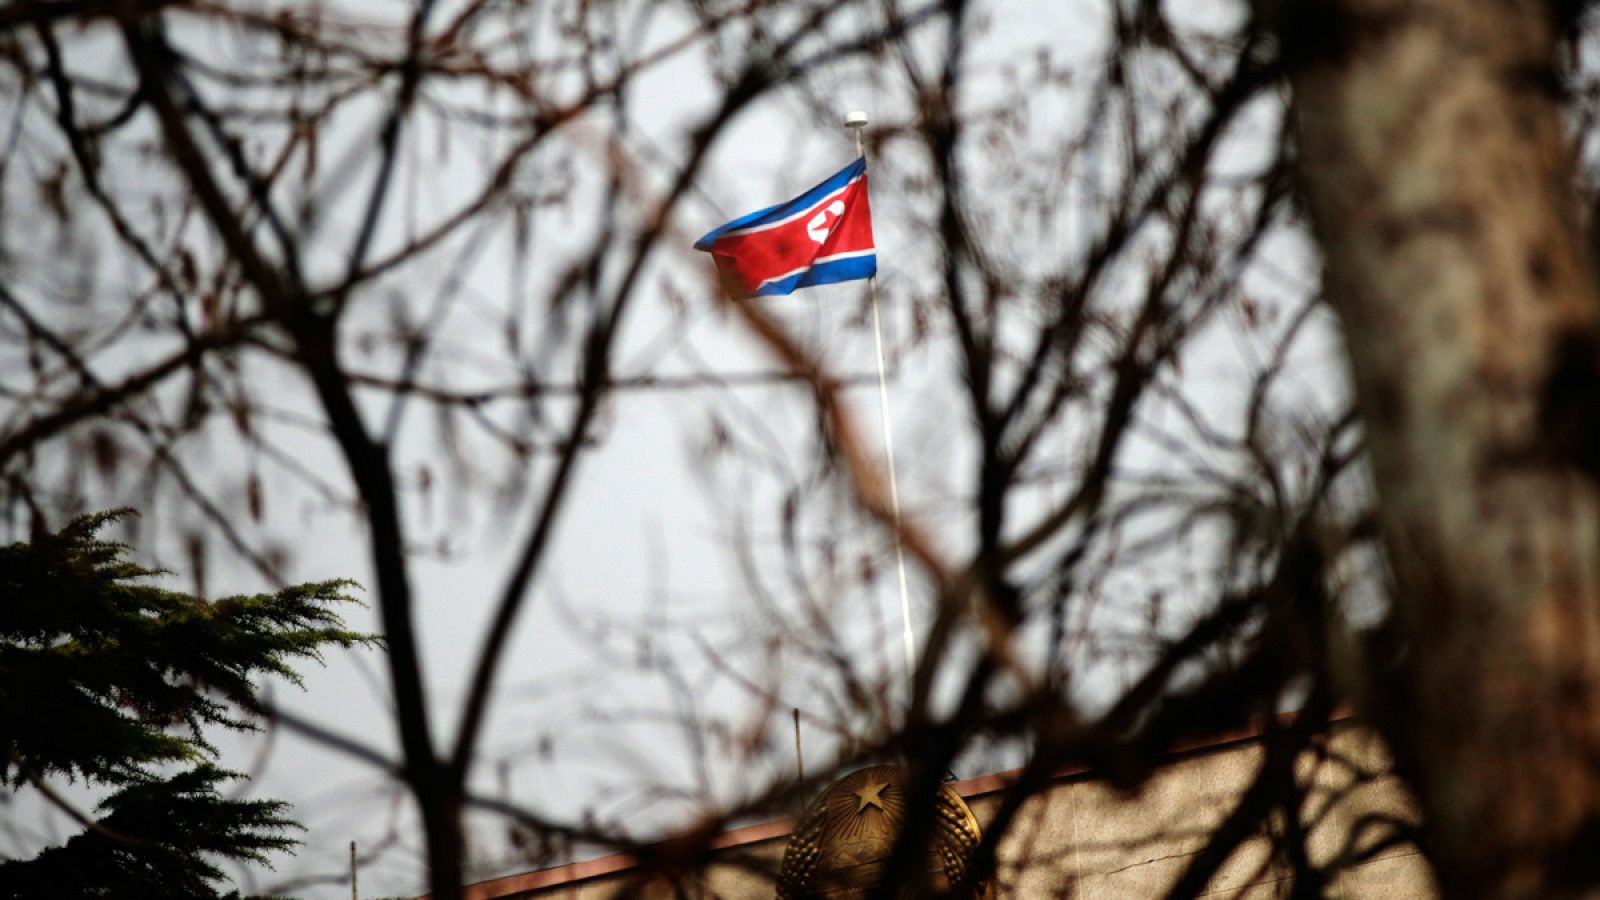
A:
(647, 544)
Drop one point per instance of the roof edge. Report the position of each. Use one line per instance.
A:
(968, 788)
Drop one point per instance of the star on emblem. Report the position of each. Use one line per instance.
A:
(869, 794)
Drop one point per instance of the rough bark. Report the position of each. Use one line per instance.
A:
(1441, 188)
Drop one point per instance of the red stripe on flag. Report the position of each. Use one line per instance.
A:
(844, 224)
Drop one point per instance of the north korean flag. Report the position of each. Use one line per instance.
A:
(820, 237)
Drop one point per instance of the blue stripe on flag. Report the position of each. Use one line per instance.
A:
(789, 207)
(823, 273)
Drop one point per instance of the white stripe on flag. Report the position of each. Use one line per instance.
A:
(766, 226)
(816, 262)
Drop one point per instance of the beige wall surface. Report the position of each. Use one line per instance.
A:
(1084, 839)
(1081, 838)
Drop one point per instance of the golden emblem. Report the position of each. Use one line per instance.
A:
(841, 846)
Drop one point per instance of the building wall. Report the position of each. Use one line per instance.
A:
(1082, 839)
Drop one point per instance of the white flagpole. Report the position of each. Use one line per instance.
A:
(855, 120)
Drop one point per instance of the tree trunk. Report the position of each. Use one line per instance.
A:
(1441, 187)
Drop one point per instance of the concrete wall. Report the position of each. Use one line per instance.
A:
(1081, 838)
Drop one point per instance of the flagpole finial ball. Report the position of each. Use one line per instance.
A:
(855, 118)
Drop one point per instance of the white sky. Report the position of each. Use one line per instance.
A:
(645, 541)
